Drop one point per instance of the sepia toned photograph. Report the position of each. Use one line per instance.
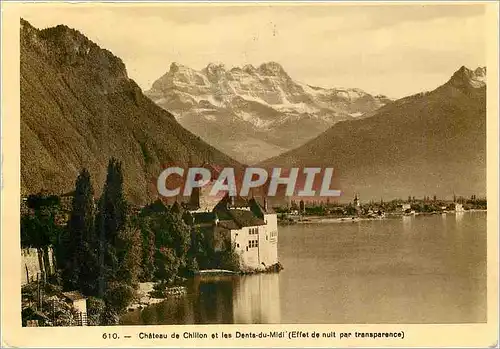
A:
(253, 164)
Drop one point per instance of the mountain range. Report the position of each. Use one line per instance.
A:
(431, 143)
(79, 108)
(252, 113)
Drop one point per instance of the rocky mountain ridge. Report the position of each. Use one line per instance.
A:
(266, 111)
(431, 143)
(79, 108)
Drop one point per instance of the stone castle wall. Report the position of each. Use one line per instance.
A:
(32, 264)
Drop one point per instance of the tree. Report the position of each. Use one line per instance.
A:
(81, 243)
(230, 259)
(113, 206)
(95, 310)
(148, 223)
(198, 251)
(167, 242)
(350, 210)
(129, 255)
(118, 296)
(173, 240)
(201, 252)
(39, 228)
(167, 264)
(110, 222)
(148, 249)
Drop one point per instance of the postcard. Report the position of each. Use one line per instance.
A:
(250, 174)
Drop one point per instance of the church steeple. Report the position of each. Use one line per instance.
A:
(356, 200)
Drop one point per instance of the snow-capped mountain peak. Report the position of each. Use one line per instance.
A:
(263, 100)
(465, 77)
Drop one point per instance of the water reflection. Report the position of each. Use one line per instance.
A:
(257, 299)
(424, 269)
(218, 300)
(407, 223)
(212, 297)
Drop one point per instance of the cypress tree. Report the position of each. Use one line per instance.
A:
(81, 240)
(113, 206)
(110, 222)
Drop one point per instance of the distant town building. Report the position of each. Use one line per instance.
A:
(459, 207)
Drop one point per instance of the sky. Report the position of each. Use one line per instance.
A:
(395, 50)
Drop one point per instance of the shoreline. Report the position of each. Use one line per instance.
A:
(351, 219)
(145, 299)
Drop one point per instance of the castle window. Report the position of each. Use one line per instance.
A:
(253, 243)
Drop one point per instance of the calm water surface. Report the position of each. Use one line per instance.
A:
(424, 269)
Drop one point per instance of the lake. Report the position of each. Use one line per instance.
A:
(415, 269)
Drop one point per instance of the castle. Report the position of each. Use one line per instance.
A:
(248, 224)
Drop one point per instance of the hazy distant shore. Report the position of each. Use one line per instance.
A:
(326, 219)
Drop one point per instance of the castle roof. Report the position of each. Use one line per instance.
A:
(259, 209)
(229, 224)
(204, 217)
(231, 202)
(241, 218)
(233, 213)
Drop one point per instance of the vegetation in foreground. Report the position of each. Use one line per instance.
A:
(104, 248)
